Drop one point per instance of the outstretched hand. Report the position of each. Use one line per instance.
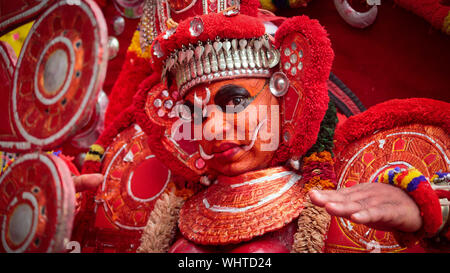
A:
(87, 181)
(376, 205)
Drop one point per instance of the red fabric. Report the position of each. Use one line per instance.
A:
(122, 121)
(249, 7)
(391, 114)
(443, 194)
(400, 56)
(134, 71)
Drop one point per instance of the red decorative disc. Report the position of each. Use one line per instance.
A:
(37, 199)
(420, 146)
(134, 180)
(59, 73)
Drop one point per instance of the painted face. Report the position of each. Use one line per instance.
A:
(239, 123)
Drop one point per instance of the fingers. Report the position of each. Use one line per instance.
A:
(345, 209)
(376, 205)
(355, 193)
(383, 217)
(87, 181)
(373, 215)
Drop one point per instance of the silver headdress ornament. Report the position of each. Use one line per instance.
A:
(221, 59)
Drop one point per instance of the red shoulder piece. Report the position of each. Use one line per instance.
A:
(410, 133)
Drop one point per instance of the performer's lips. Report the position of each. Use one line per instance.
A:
(226, 150)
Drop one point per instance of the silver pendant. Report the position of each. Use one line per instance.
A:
(228, 57)
(157, 51)
(113, 47)
(257, 44)
(214, 64)
(187, 72)
(243, 53)
(206, 64)
(199, 67)
(237, 59)
(222, 63)
(181, 56)
(264, 59)
(189, 55)
(251, 60)
(208, 48)
(199, 52)
(217, 45)
(257, 58)
(193, 69)
(273, 57)
(118, 25)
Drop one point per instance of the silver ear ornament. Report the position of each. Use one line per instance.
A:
(279, 84)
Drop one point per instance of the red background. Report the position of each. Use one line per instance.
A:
(400, 56)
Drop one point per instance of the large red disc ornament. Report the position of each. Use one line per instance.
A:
(423, 147)
(57, 78)
(37, 198)
(134, 180)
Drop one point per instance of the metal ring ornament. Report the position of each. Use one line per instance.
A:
(279, 84)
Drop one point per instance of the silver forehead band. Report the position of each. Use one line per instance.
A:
(221, 59)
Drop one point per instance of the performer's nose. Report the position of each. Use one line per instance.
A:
(218, 125)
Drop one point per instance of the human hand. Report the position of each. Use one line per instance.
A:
(87, 181)
(376, 205)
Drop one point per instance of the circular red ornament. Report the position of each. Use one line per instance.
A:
(37, 200)
(419, 146)
(134, 180)
(59, 73)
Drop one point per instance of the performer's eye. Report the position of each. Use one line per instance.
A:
(232, 98)
(236, 101)
(195, 112)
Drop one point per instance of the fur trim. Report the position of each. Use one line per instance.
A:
(250, 7)
(135, 69)
(391, 114)
(313, 224)
(312, 81)
(162, 223)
